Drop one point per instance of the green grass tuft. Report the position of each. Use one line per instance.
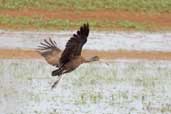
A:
(40, 23)
(132, 25)
(130, 5)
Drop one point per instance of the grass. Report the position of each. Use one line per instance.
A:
(53, 24)
(149, 6)
(133, 25)
(129, 5)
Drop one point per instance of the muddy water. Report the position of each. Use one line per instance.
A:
(97, 40)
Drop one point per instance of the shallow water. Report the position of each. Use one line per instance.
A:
(106, 87)
(145, 41)
(120, 87)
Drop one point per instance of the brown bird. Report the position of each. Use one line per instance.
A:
(70, 58)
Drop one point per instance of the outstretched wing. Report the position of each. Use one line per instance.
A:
(49, 50)
(75, 44)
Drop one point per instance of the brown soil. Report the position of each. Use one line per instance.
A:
(159, 19)
(30, 54)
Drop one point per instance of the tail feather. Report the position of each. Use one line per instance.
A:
(57, 72)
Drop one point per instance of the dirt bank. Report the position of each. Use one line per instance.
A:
(159, 19)
(123, 54)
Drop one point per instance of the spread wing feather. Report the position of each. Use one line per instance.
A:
(75, 44)
(49, 50)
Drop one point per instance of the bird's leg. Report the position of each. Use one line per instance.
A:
(56, 82)
(60, 76)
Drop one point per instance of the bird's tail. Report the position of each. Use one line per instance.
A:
(57, 72)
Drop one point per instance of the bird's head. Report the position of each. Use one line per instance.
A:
(94, 58)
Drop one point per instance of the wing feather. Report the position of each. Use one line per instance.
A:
(50, 51)
(75, 44)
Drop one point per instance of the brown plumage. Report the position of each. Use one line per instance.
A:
(70, 58)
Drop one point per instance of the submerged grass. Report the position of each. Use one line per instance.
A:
(138, 86)
(40, 23)
(129, 5)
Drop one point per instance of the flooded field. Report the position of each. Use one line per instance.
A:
(105, 87)
(115, 86)
(145, 41)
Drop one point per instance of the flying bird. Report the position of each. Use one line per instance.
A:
(70, 58)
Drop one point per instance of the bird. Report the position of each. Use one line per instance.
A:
(70, 58)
